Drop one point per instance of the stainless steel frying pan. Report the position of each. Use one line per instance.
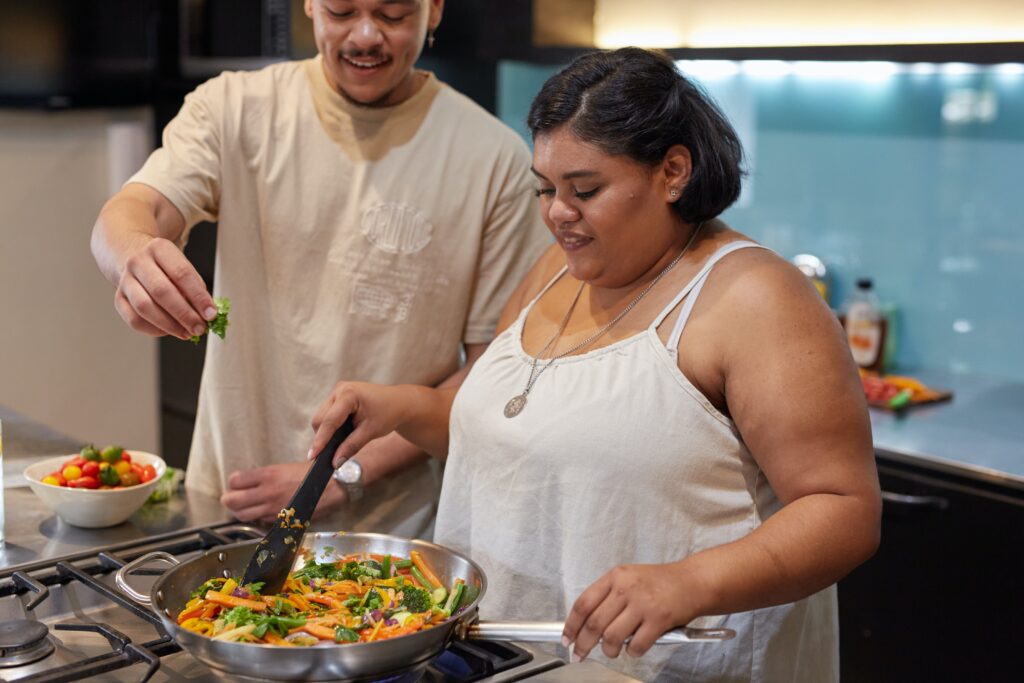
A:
(356, 661)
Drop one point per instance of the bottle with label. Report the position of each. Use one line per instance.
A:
(865, 326)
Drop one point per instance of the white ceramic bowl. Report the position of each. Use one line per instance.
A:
(93, 508)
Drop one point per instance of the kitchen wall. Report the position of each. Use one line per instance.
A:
(66, 358)
(909, 174)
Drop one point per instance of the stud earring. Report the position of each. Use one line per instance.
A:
(674, 192)
(430, 38)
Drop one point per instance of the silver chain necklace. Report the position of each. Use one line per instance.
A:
(517, 403)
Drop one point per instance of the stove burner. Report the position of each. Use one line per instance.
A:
(23, 642)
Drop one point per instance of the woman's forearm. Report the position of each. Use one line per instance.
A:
(805, 547)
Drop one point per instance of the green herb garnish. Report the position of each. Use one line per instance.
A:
(219, 325)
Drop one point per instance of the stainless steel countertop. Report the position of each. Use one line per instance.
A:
(979, 434)
(34, 533)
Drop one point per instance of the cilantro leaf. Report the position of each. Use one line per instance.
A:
(219, 325)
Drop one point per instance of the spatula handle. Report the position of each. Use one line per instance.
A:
(275, 554)
(306, 497)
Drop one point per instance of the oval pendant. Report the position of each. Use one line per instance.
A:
(515, 405)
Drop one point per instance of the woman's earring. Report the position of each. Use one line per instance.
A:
(430, 38)
(674, 192)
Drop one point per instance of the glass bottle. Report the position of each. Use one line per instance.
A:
(865, 326)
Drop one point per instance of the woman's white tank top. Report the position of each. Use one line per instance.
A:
(616, 459)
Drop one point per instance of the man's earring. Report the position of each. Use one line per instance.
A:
(430, 38)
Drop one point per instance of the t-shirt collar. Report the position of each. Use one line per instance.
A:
(328, 96)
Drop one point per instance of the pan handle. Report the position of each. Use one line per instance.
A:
(121, 577)
(551, 632)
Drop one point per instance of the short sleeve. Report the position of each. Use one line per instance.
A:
(514, 238)
(187, 167)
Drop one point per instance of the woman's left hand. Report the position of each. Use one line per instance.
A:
(641, 601)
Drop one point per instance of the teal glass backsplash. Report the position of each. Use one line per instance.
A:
(908, 174)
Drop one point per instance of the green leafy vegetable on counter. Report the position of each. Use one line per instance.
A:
(219, 325)
(167, 486)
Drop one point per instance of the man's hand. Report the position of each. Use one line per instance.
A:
(160, 292)
(257, 495)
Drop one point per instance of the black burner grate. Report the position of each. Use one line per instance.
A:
(83, 567)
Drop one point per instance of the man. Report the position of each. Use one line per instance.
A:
(371, 221)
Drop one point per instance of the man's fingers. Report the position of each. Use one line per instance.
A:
(134, 320)
(199, 304)
(245, 479)
(161, 289)
(149, 310)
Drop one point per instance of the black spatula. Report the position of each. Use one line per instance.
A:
(275, 554)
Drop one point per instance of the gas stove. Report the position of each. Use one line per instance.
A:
(63, 619)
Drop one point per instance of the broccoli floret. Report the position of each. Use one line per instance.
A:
(416, 599)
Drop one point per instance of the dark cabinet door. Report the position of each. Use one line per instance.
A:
(941, 600)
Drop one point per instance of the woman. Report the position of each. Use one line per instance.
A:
(669, 425)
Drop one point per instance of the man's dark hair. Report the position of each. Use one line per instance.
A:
(634, 102)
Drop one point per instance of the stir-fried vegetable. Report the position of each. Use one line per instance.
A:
(359, 598)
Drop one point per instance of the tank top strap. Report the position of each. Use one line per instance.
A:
(693, 288)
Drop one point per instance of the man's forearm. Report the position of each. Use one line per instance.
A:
(127, 222)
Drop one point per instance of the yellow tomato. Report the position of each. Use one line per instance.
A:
(51, 480)
(121, 466)
(71, 472)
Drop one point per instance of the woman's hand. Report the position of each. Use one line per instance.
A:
(376, 410)
(638, 601)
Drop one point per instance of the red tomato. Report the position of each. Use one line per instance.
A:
(84, 483)
(126, 456)
(77, 461)
(91, 469)
(148, 473)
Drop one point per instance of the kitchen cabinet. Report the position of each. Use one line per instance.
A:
(940, 601)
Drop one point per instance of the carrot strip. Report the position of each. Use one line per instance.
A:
(421, 564)
(274, 639)
(323, 600)
(233, 601)
(321, 632)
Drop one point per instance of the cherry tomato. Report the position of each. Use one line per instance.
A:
(122, 466)
(51, 480)
(90, 469)
(130, 479)
(71, 472)
(148, 473)
(137, 469)
(126, 456)
(60, 478)
(84, 483)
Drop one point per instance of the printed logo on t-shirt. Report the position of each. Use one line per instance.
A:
(381, 303)
(396, 228)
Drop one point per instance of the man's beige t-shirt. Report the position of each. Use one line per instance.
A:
(354, 243)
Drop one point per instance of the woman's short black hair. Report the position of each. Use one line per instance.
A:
(636, 103)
